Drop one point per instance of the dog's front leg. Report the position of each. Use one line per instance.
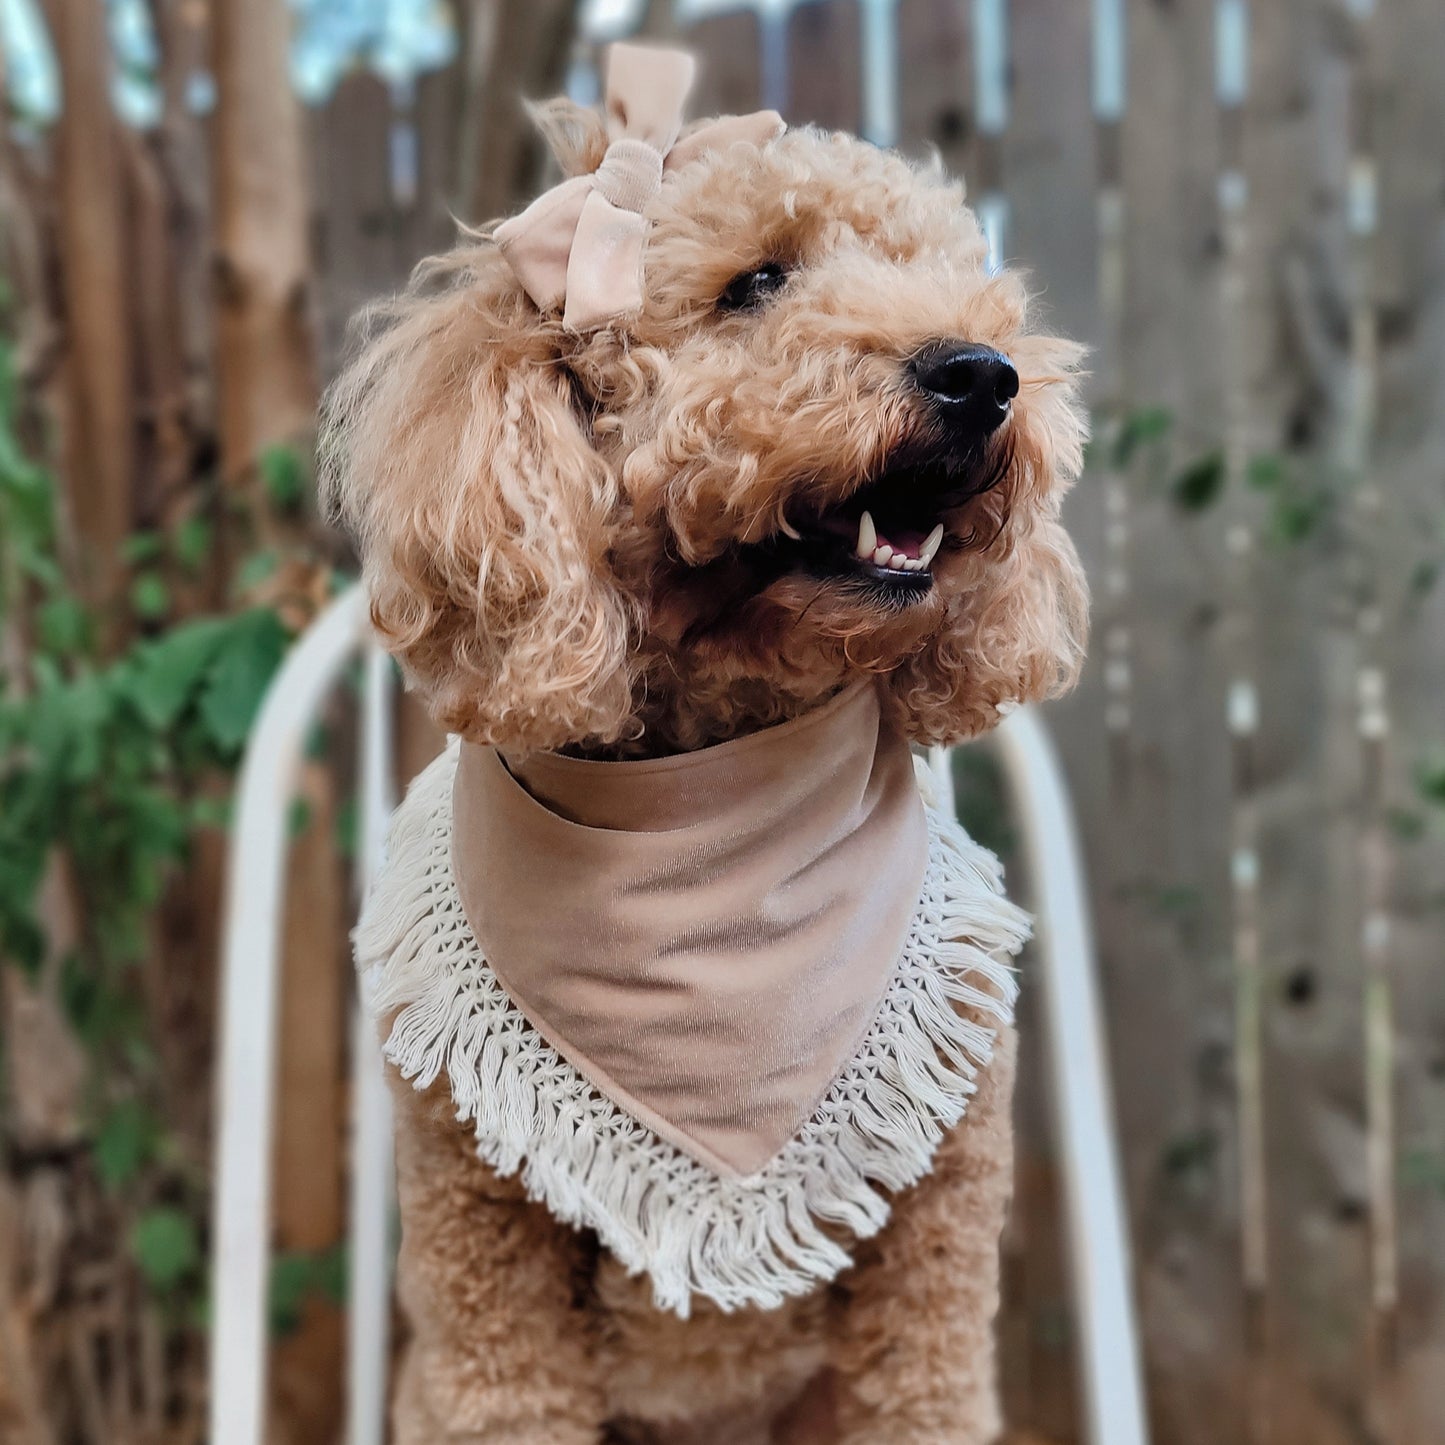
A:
(915, 1353)
(500, 1350)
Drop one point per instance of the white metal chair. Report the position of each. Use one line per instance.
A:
(1108, 1346)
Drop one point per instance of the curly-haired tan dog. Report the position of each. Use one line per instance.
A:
(651, 536)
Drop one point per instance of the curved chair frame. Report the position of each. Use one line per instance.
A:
(246, 1087)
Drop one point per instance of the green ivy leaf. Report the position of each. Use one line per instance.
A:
(125, 1142)
(283, 474)
(298, 817)
(1296, 517)
(169, 671)
(156, 828)
(298, 1276)
(318, 743)
(211, 813)
(1201, 483)
(1190, 1153)
(1431, 781)
(1424, 576)
(1148, 424)
(140, 548)
(1406, 824)
(255, 570)
(71, 726)
(1266, 472)
(63, 625)
(289, 1287)
(239, 675)
(1421, 1168)
(348, 819)
(150, 598)
(165, 1246)
(191, 542)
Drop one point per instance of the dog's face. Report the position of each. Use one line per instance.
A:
(828, 446)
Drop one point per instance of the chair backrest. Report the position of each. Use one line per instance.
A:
(245, 1102)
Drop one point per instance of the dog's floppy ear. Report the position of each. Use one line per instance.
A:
(484, 517)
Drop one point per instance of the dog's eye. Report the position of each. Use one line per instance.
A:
(752, 288)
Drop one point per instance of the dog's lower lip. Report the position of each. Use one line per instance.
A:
(913, 578)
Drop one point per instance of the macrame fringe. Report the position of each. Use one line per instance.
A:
(752, 1241)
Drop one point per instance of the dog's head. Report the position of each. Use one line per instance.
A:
(827, 445)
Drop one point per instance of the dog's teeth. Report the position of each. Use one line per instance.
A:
(788, 530)
(867, 536)
(882, 553)
(897, 561)
(931, 543)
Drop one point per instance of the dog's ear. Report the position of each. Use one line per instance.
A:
(451, 447)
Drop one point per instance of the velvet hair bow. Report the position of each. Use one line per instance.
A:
(580, 245)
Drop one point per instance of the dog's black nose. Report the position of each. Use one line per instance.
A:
(973, 385)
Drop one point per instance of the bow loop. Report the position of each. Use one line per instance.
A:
(646, 88)
(581, 244)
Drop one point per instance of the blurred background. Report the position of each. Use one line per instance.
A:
(1240, 207)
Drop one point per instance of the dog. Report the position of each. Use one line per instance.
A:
(825, 447)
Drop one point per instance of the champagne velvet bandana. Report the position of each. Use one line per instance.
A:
(715, 1006)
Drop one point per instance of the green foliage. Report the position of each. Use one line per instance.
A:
(150, 598)
(1406, 824)
(1423, 577)
(1298, 505)
(297, 1277)
(1201, 483)
(256, 569)
(348, 820)
(1147, 425)
(166, 1247)
(1169, 900)
(113, 760)
(101, 760)
(1297, 502)
(983, 806)
(249, 652)
(1430, 780)
(1188, 1156)
(284, 476)
(191, 543)
(126, 1140)
(1424, 1169)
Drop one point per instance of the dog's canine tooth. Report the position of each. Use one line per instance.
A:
(931, 543)
(867, 536)
(788, 529)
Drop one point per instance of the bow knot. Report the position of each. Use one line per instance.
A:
(630, 174)
(581, 244)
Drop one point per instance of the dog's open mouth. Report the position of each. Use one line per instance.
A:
(887, 534)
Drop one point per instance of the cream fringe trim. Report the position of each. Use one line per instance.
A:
(750, 1241)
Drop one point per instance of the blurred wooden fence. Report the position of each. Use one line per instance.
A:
(1243, 209)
